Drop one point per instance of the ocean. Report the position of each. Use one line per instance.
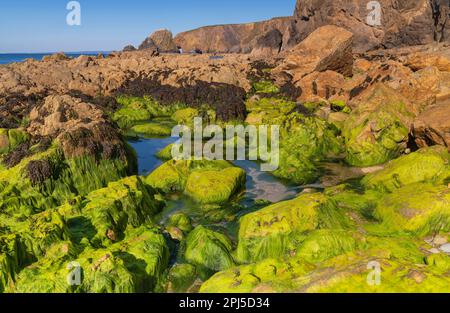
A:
(6, 58)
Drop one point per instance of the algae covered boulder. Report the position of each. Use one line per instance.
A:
(133, 265)
(215, 186)
(426, 164)
(207, 182)
(209, 249)
(181, 277)
(421, 209)
(380, 265)
(305, 142)
(279, 229)
(377, 129)
(123, 204)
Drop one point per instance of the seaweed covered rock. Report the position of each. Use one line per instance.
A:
(133, 265)
(426, 164)
(278, 229)
(11, 138)
(207, 182)
(153, 129)
(420, 209)
(45, 180)
(209, 250)
(402, 263)
(124, 204)
(181, 277)
(13, 257)
(377, 129)
(136, 110)
(304, 142)
(265, 110)
(215, 186)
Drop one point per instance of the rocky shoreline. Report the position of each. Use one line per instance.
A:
(366, 120)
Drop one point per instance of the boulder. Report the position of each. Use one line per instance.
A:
(327, 48)
(424, 165)
(432, 127)
(206, 182)
(277, 230)
(377, 130)
(209, 250)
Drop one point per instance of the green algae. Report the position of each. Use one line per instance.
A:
(181, 277)
(11, 138)
(152, 129)
(125, 203)
(166, 153)
(207, 187)
(304, 143)
(135, 110)
(265, 87)
(208, 250)
(265, 110)
(69, 178)
(377, 131)
(424, 165)
(207, 182)
(133, 265)
(279, 229)
(181, 221)
(403, 268)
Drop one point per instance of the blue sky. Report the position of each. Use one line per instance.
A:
(40, 25)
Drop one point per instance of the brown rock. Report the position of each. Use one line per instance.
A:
(407, 22)
(236, 38)
(81, 128)
(268, 44)
(432, 127)
(320, 86)
(129, 48)
(163, 40)
(327, 48)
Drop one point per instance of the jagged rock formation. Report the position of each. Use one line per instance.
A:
(409, 22)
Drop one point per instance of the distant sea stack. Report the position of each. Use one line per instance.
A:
(162, 40)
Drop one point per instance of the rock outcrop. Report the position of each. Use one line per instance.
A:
(383, 23)
(327, 48)
(432, 127)
(162, 40)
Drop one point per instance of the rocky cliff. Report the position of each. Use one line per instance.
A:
(408, 22)
(236, 37)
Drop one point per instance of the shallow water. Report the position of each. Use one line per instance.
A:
(260, 185)
(146, 150)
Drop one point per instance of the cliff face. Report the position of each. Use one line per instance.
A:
(236, 37)
(406, 22)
